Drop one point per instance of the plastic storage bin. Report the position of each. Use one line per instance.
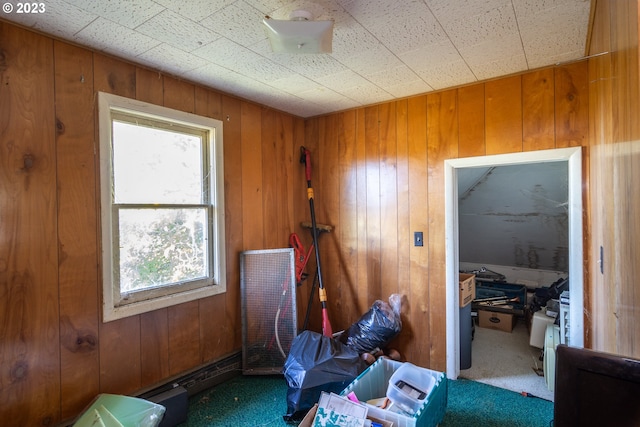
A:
(510, 290)
(112, 410)
(410, 386)
(373, 383)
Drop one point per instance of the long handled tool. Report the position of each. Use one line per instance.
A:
(301, 263)
(305, 157)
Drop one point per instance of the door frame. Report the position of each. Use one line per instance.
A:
(573, 157)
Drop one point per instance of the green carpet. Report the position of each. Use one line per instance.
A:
(260, 401)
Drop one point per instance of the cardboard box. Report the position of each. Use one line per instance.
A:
(307, 421)
(495, 320)
(467, 288)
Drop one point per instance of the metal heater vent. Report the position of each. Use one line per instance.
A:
(268, 298)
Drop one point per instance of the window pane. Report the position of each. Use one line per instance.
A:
(152, 165)
(162, 246)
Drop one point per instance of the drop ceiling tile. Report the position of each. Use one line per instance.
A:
(427, 57)
(169, 59)
(286, 102)
(244, 61)
(319, 94)
(342, 80)
(552, 33)
(274, 98)
(326, 97)
(304, 108)
(407, 88)
(268, 6)
(447, 11)
(350, 38)
(104, 35)
(554, 19)
(178, 31)
(401, 26)
(500, 67)
(391, 76)
(447, 75)
(367, 94)
(195, 10)
(547, 49)
(525, 8)
(128, 14)
(492, 50)
(545, 61)
(340, 104)
(439, 65)
(242, 86)
(264, 70)
(216, 77)
(320, 10)
(238, 22)
(294, 84)
(312, 66)
(471, 30)
(209, 72)
(226, 53)
(376, 56)
(61, 19)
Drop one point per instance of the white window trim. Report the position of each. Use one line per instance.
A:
(106, 104)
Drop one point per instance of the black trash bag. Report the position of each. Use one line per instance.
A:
(542, 295)
(376, 328)
(315, 364)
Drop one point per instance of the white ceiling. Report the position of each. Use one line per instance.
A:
(382, 49)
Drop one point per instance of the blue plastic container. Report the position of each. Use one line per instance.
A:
(509, 290)
(373, 383)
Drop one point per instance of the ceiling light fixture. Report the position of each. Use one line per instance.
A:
(299, 34)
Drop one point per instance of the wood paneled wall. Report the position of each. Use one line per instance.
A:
(377, 174)
(55, 352)
(615, 171)
(381, 177)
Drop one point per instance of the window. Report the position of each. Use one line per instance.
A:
(162, 206)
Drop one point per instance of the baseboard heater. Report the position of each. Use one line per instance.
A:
(174, 395)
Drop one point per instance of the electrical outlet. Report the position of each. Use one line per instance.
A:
(417, 238)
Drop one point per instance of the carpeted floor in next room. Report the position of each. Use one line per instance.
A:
(260, 401)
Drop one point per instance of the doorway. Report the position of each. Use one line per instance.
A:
(573, 158)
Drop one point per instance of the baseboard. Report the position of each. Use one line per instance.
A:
(174, 395)
(176, 403)
(202, 378)
(174, 391)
